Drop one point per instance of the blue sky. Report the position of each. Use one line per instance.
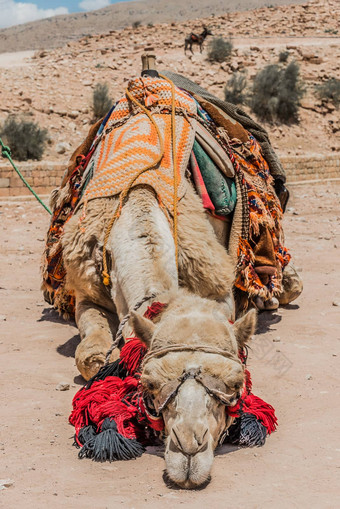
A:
(73, 5)
(15, 12)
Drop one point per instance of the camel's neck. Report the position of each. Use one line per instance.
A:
(143, 251)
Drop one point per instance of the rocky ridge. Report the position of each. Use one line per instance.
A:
(55, 87)
(58, 30)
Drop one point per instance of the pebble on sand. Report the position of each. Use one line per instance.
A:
(5, 483)
(62, 386)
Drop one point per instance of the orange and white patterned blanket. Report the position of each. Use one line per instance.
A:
(130, 142)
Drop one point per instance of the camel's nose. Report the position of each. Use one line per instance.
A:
(190, 439)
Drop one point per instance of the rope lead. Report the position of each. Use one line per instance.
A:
(153, 164)
(6, 153)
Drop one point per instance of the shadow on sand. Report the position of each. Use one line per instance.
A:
(68, 349)
(265, 320)
(51, 315)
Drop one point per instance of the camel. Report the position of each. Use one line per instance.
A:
(200, 305)
(119, 264)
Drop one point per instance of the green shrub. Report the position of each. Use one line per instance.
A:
(101, 101)
(277, 93)
(235, 87)
(283, 56)
(219, 49)
(329, 91)
(136, 24)
(24, 137)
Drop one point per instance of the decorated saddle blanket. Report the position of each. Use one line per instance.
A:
(210, 147)
(130, 142)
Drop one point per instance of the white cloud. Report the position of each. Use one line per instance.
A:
(91, 5)
(15, 13)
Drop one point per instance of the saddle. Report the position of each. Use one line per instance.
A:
(214, 153)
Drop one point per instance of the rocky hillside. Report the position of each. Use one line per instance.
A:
(57, 31)
(55, 87)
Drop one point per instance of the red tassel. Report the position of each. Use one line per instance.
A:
(132, 354)
(106, 398)
(154, 310)
(264, 412)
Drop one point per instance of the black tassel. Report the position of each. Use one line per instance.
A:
(233, 433)
(108, 444)
(253, 432)
(86, 437)
(247, 431)
(112, 369)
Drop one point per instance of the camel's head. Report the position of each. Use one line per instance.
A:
(192, 372)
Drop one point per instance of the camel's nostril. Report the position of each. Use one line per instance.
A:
(177, 438)
(200, 439)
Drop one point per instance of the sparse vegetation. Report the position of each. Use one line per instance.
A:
(329, 91)
(136, 24)
(101, 100)
(277, 93)
(283, 56)
(25, 138)
(331, 31)
(219, 49)
(150, 24)
(234, 91)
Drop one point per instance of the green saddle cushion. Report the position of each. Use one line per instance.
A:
(221, 189)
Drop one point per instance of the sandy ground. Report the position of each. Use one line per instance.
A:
(293, 362)
(17, 59)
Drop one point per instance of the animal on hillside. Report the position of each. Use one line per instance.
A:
(198, 39)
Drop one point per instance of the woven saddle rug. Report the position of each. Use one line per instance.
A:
(130, 142)
(127, 141)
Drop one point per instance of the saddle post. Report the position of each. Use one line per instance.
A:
(149, 64)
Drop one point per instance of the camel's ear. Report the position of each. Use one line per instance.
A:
(244, 327)
(143, 327)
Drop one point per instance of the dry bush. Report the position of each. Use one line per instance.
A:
(136, 24)
(219, 49)
(277, 93)
(25, 138)
(234, 91)
(329, 91)
(283, 56)
(101, 101)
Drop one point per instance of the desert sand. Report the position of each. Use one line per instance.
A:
(293, 359)
(294, 356)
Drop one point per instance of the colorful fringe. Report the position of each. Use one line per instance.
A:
(264, 210)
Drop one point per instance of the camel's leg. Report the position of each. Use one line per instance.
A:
(97, 327)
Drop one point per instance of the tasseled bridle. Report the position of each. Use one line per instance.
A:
(111, 416)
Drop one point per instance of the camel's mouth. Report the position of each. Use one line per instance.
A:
(188, 471)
